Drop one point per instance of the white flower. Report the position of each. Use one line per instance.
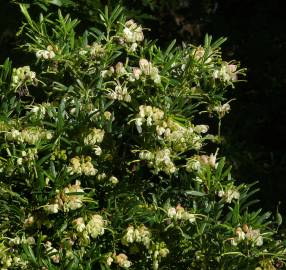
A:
(97, 150)
(79, 224)
(172, 212)
(109, 260)
(52, 208)
(188, 216)
(119, 93)
(46, 54)
(199, 53)
(122, 260)
(19, 161)
(95, 226)
(201, 128)
(229, 195)
(221, 193)
(113, 180)
(163, 252)
(138, 123)
(128, 35)
(132, 32)
(193, 165)
(137, 73)
(255, 236)
(31, 240)
(107, 115)
(101, 176)
(145, 66)
(133, 47)
(95, 136)
(239, 234)
(119, 69)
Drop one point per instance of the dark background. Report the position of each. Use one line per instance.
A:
(255, 130)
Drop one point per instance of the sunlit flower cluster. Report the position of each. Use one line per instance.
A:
(196, 163)
(132, 33)
(6, 259)
(39, 111)
(227, 72)
(46, 54)
(92, 228)
(147, 69)
(221, 110)
(148, 115)
(122, 260)
(181, 138)
(158, 251)
(94, 137)
(229, 194)
(27, 156)
(81, 165)
(159, 160)
(10, 260)
(140, 234)
(70, 198)
(179, 213)
(200, 53)
(120, 93)
(247, 234)
(23, 75)
(28, 135)
(96, 50)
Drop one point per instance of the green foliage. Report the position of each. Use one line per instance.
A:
(104, 161)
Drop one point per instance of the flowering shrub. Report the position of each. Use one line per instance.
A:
(104, 155)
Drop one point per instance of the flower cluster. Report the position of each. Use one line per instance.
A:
(38, 111)
(227, 72)
(70, 198)
(158, 252)
(247, 234)
(46, 54)
(26, 156)
(196, 163)
(94, 137)
(148, 69)
(179, 137)
(121, 259)
(6, 259)
(132, 33)
(9, 258)
(120, 93)
(199, 54)
(159, 160)
(148, 115)
(23, 75)
(179, 213)
(142, 235)
(28, 135)
(81, 165)
(96, 50)
(137, 235)
(94, 227)
(221, 110)
(229, 194)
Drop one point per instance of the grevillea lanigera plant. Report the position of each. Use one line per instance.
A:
(107, 160)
